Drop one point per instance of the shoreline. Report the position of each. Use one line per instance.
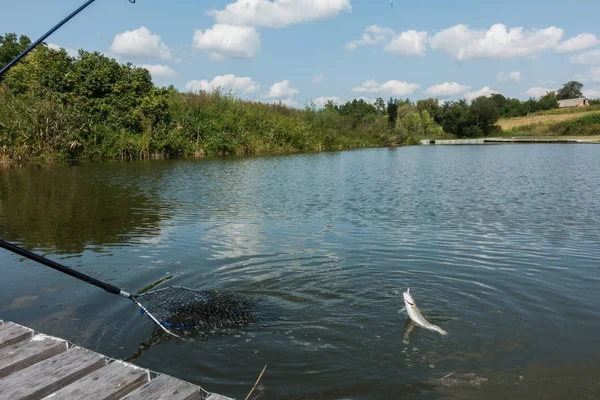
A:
(498, 140)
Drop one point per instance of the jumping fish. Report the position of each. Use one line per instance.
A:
(415, 315)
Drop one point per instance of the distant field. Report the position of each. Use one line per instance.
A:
(528, 135)
(510, 123)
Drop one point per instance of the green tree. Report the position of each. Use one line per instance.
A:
(380, 106)
(500, 101)
(456, 117)
(330, 106)
(42, 68)
(513, 108)
(548, 102)
(432, 106)
(570, 90)
(358, 109)
(531, 105)
(11, 46)
(430, 127)
(392, 111)
(484, 113)
(413, 124)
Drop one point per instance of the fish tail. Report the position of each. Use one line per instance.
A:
(440, 330)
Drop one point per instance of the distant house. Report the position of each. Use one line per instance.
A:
(571, 103)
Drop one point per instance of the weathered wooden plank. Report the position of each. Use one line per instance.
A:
(110, 382)
(12, 333)
(50, 375)
(23, 354)
(166, 388)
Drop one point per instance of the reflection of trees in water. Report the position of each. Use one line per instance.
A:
(67, 209)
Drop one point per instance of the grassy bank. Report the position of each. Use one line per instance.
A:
(40, 129)
(547, 117)
(585, 124)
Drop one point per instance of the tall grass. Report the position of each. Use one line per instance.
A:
(43, 129)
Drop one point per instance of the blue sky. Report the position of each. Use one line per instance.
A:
(297, 50)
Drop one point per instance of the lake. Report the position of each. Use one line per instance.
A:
(498, 244)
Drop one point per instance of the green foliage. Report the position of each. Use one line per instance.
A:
(413, 124)
(574, 110)
(405, 109)
(570, 90)
(509, 108)
(430, 126)
(41, 69)
(411, 141)
(547, 102)
(380, 106)
(595, 102)
(392, 111)
(56, 108)
(586, 125)
(484, 113)
(456, 117)
(11, 47)
(432, 106)
(358, 109)
(583, 126)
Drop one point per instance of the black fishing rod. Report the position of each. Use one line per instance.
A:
(81, 276)
(170, 307)
(41, 39)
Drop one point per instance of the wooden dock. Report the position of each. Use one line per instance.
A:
(500, 141)
(36, 366)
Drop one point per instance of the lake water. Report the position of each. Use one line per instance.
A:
(500, 246)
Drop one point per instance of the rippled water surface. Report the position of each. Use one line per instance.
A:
(500, 246)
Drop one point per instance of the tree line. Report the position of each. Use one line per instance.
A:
(54, 107)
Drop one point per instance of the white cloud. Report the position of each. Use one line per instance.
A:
(161, 74)
(447, 89)
(140, 43)
(281, 90)
(595, 75)
(590, 58)
(321, 101)
(278, 13)
(514, 76)
(228, 41)
(70, 51)
(592, 93)
(495, 43)
(389, 88)
(319, 78)
(538, 91)
(287, 102)
(372, 35)
(579, 42)
(240, 85)
(409, 43)
(369, 100)
(484, 91)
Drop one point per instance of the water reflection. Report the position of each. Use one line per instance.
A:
(66, 210)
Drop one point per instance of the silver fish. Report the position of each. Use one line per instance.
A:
(415, 315)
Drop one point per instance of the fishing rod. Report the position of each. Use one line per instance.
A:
(44, 36)
(86, 278)
(172, 307)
